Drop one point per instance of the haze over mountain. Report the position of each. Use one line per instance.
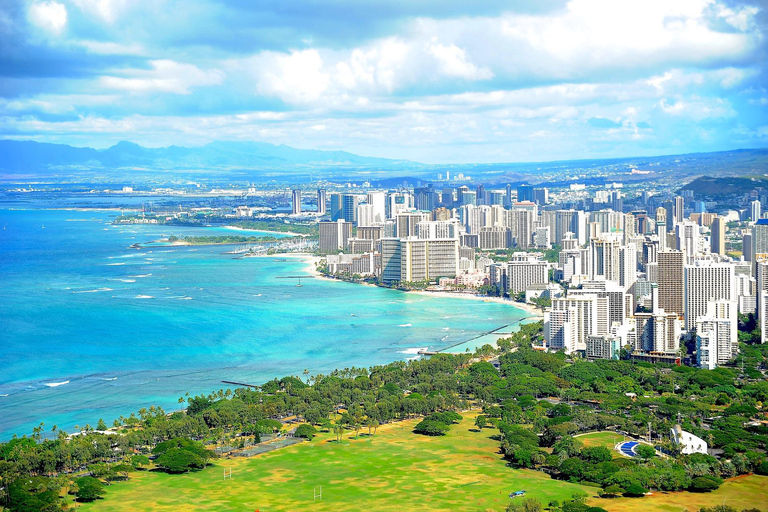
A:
(22, 157)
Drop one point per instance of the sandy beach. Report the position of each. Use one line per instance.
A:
(289, 233)
(311, 268)
(532, 310)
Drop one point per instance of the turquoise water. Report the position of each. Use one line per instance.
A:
(90, 328)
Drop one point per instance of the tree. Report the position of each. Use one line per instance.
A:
(481, 421)
(179, 460)
(704, 484)
(645, 452)
(306, 431)
(89, 489)
(527, 505)
(635, 490)
(431, 428)
(612, 491)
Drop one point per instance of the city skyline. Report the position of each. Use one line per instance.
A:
(433, 83)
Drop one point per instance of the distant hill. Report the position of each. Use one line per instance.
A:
(25, 157)
(716, 186)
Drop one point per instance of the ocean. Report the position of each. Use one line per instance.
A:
(91, 328)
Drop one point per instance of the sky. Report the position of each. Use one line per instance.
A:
(434, 81)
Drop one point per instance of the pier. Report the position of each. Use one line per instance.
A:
(241, 384)
(443, 350)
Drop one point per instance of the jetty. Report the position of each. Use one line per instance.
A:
(241, 384)
(444, 350)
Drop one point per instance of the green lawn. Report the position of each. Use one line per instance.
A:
(607, 439)
(394, 470)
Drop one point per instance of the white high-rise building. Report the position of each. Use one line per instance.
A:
(366, 215)
(756, 209)
(519, 273)
(378, 200)
(704, 282)
(717, 334)
(587, 314)
(688, 238)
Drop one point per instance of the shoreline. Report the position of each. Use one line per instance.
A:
(311, 267)
(271, 232)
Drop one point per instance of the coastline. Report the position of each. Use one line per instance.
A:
(311, 268)
(271, 232)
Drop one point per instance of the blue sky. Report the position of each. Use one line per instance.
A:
(436, 81)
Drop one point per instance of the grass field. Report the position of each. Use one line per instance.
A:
(607, 439)
(393, 470)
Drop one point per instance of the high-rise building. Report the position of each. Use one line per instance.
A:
(495, 237)
(336, 203)
(321, 202)
(688, 238)
(756, 211)
(541, 196)
(717, 334)
(679, 209)
(406, 223)
(747, 247)
(717, 237)
(704, 282)
(519, 274)
(349, 204)
(670, 281)
(334, 236)
(669, 206)
(379, 202)
(760, 237)
(296, 202)
(525, 193)
(572, 319)
(480, 194)
(422, 260)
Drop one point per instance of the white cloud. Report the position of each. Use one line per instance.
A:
(698, 109)
(49, 16)
(107, 10)
(297, 78)
(165, 76)
(110, 48)
(453, 62)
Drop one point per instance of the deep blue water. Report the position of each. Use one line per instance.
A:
(129, 328)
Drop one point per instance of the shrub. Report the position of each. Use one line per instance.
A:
(306, 431)
(704, 484)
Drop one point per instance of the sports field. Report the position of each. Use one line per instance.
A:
(607, 439)
(393, 470)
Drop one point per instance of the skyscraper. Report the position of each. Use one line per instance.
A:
(321, 202)
(717, 238)
(525, 193)
(296, 202)
(670, 289)
(679, 209)
(706, 282)
(756, 210)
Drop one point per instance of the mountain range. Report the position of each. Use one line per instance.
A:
(29, 157)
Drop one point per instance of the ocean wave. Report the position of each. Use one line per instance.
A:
(55, 384)
(114, 264)
(144, 297)
(411, 351)
(94, 291)
(3, 396)
(111, 378)
(405, 325)
(446, 328)
(141, 276)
